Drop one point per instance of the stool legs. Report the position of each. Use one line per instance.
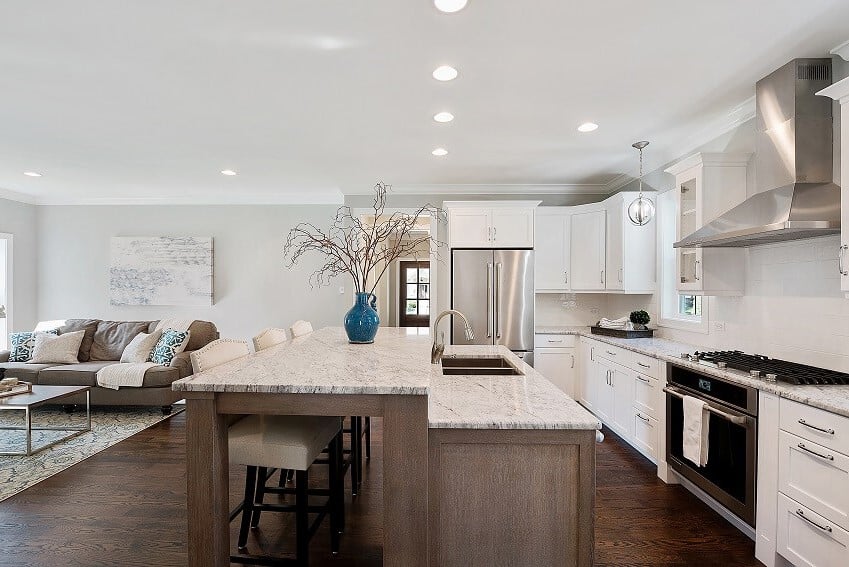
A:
(302, 516)
(368, 438)
(356, 446)
(247, 507)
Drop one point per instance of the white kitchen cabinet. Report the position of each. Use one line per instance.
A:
(709, 184)
(605, 396)
(631, 250)
(587, 250)
(839, 91)
(645, 433)
(622, 420)
(588, 372)
(490, 224)
(551, 249)
(807, 539)
(558, 366)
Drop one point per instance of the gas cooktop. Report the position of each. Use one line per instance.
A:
(771, 369)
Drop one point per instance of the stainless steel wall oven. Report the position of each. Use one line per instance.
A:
(731, 470)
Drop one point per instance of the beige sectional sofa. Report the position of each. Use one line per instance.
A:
(103, 343)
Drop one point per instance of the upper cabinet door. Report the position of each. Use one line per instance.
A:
(614, 262)
(470, 228)
(551, 248)
(512, 228)
(587, 241)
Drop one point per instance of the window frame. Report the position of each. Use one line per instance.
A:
(669, 314)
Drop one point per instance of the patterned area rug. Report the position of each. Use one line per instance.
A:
(109, 425)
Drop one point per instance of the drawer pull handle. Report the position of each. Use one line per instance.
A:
(806, 424)
(641, 379)
(644, 365)
(802, 515)
(821, 456)
(643, 418)
(610, 353)
(555, 340)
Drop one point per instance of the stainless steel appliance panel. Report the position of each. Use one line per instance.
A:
(514, 299)
(472, 273)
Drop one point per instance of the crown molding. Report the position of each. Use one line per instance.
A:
(839, 91)
(737, 116)
(711, 159)
(492, 189)
(321, 198)
(842, 50)
(10, 195)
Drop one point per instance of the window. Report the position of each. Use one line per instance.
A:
(678, 311)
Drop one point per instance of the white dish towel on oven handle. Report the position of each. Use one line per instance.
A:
(696, 431)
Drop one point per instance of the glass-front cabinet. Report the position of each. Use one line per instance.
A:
(707, 185)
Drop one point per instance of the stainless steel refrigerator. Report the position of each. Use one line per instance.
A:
(494, 289)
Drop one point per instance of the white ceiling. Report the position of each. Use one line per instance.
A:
(147, 101)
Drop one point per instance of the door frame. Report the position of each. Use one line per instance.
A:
(10, 268)
(400, 298)
(434, 251)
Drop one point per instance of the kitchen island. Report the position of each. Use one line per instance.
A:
(474, 465)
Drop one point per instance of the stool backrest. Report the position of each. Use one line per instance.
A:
(218, 352)
(301, 328)
(269, 338)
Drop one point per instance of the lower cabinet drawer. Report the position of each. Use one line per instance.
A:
(814, 476)
(807, 539)
(828, 429)
(555, 341)
(646, 395)
(645, 433)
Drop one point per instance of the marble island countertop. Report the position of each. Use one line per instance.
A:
(502, 402)
(398, 363)
(830, 398)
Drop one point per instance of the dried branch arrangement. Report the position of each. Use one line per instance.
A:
(363, 250)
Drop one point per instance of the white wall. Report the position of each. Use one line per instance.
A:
(253, 287)
(19, 219)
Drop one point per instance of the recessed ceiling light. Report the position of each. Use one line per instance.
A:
(440, 152)
(32, 174)
(228, 172)
(445, 73)
(450, 6)
(443, 117)
(587, 127)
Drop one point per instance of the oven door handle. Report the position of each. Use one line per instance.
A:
(738, 419)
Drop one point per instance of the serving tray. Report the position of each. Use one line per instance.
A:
(19, 388)
(622, 333)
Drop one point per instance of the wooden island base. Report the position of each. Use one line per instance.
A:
(511, 497)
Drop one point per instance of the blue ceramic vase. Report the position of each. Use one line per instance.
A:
(362, 321)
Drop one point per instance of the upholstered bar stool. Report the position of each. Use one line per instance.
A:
(269, 338)
(360, 426)
(286, 442)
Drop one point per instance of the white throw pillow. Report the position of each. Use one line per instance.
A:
(61, 349)
(141, 347)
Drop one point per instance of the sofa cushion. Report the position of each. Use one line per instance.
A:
(112, 337)
(87, 325)
(203, 333)
(24, 343)
(24, 370)
(83, 374)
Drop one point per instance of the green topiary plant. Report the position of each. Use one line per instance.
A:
(640, 318)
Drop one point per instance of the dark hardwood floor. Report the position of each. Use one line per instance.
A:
(126, 507)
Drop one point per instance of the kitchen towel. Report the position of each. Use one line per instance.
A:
(696, 430)
(613, 323)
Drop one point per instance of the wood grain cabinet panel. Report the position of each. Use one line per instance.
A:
(511, 497)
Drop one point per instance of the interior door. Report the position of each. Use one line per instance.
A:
(587, 244)
(513, 320)
(414, 294)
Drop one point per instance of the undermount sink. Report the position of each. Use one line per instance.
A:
(462, 365)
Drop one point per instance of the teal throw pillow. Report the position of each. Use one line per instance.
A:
(23, 345)
(170, 345)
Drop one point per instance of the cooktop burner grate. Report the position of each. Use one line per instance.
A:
(790, 372)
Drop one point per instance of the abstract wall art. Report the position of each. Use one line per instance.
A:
(161, 270)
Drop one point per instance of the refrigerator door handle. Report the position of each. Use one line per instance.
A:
(498, 300)
(489, 300)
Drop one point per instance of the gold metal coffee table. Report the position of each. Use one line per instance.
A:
(40, 396)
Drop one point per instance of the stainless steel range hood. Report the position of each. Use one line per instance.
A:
(793, 165)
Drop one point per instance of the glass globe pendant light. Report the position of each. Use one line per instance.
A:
(641, 210)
